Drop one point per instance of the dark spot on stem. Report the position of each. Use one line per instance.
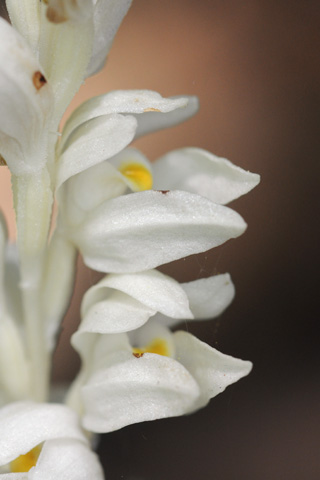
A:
(38, 80)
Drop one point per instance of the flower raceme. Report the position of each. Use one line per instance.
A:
(126, 217)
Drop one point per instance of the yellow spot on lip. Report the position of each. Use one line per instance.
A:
(24, 463)
(150, 109)
(138, 174)
(158, 346)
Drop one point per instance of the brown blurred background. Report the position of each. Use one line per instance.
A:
(255, 67)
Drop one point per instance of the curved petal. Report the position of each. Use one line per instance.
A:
(24, 425)
(116, 314)
(108, 14)
(152, 289)
(153, 121)
(66, 459)
(26, 103)
(209, 297)
(143, 230)
(137, 390)
(120, 101)
(213, 370)
(198, 171)
(95, 141)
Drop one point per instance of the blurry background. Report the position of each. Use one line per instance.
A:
(255, 67)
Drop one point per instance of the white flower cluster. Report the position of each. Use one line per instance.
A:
(126, 217)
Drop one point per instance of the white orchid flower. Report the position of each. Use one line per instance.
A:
(124, 303)
(90, 197)
(147, 374)
(44, 441)
(99, 224)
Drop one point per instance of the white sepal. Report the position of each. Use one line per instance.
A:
(198, 171)
(138, 102)
(143, 230)
(94, 141)
(108, 14)
(212, 370)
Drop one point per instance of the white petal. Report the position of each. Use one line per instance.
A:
(108, 14)
(153, 289)
(213, 370)
(198, 171)
(209, 297)
(96, 351)
(66, 459)
(95, 141)
(24, 425)
(122, 101)
(154, 121)
(116, 314)
(136, 390)
(26, 103)
(143, 230)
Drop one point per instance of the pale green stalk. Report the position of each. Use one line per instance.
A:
(33, 205)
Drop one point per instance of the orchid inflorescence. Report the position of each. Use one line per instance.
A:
(126, 217)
